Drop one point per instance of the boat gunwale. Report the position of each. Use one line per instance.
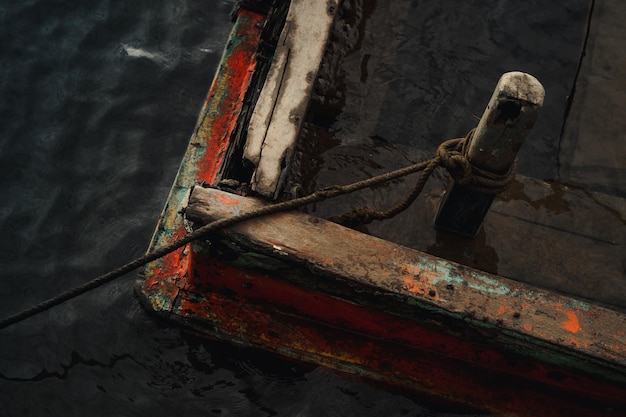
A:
(164, 284)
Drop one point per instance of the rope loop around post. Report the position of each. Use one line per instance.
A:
(452, 155)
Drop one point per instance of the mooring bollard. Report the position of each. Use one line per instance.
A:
(509, 116)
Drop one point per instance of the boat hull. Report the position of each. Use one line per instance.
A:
(462, 336)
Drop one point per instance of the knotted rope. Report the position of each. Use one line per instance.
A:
(450, 154)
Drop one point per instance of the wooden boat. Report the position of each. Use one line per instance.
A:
(312, 290)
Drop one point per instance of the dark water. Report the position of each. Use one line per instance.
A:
(98, 101)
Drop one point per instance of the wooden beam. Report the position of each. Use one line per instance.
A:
(384, 276)
(509, 116)
(280, 110)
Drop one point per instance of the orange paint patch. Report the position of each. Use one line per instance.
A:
(411, 285)
(228, 200)
(504, 309)
(571, 324)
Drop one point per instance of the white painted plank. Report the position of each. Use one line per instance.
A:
(281, 107)
(262, 115)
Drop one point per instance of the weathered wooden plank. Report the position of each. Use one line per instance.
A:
(537, 322)
(503, 127)
(281, 107)
(203, 158)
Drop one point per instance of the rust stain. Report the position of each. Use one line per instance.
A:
(571, 324)
(412, 269)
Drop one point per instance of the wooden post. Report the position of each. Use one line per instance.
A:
(508, 118)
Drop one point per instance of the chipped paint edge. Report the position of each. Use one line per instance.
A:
(158, 284)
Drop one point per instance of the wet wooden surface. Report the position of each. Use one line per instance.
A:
(400, 277)
(546, 234)
(593, 146)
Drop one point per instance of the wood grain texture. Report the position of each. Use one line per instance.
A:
(281, 107)
(529, 319)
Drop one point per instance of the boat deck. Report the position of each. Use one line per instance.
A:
(566, 234)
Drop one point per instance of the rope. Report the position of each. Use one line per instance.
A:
(203, 231)
(448, 155)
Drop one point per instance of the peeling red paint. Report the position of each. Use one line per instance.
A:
(257, 309)
(240, 64)
(165, 277)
